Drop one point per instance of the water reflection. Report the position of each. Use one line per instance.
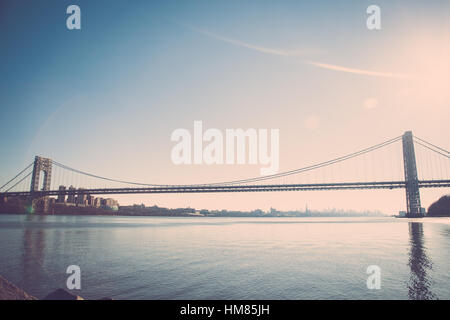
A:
(419, 285)
(33, 255)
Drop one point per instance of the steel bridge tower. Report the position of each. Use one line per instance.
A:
(411, 181)
(43, 165)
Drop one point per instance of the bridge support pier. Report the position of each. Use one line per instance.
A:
(39, 204)
(413, 207)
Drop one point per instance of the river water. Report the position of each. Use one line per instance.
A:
(228, 258)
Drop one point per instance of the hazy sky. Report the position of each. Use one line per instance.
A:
(105, 99)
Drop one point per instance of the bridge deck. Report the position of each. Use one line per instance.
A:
(237, 188)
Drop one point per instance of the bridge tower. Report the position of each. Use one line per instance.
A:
(412, 182)
(44, 165)
(41, 165)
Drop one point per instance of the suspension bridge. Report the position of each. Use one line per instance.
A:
(45, 177)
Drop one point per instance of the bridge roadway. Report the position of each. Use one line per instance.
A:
(237, 188)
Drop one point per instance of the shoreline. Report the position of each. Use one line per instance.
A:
(9, 291)
(215, 216)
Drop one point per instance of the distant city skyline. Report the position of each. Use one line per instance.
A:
(106, 98)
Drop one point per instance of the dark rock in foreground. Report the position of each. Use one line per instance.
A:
(9, 291)
(440, 208)
(61, 294)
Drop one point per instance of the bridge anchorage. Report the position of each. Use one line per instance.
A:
(48, 179)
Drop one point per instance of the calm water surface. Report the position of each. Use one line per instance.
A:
(228, 258)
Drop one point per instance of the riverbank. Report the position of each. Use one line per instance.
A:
(202, 213)
(9, 291)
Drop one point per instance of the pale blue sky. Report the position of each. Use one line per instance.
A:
(106, 98)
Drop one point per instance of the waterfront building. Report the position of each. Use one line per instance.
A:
(61, 195)
(71, 196)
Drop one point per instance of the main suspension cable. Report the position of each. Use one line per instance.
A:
(20, 181)
(16, 176)
(432, 145)
(442, 154)
(254, 179)
(316, 166)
